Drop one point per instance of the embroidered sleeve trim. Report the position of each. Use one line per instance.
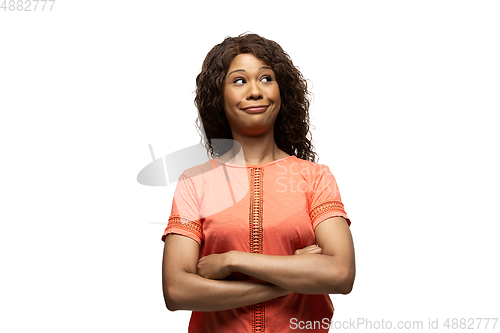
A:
(325, 207)
(180, 222)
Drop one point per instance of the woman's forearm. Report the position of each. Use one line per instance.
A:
(193, 292)
(306, 273)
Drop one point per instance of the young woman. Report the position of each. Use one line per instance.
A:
(258, 236)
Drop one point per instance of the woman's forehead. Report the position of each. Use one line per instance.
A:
(247, 60)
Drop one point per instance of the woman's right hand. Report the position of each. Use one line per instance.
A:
(314, 249)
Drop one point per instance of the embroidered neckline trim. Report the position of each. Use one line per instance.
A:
(254, 165)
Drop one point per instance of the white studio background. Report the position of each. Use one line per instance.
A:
(404, 114)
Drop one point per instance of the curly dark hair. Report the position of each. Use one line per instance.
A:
(291, 127)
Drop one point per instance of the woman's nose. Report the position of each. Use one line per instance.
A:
(254, 91)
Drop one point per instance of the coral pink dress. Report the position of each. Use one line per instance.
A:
(271, 208)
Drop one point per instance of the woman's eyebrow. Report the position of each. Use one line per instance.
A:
(242, 70)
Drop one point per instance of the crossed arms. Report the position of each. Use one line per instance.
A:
(190, 283)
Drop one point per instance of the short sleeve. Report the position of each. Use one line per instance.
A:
(325, 201)
(185, 215)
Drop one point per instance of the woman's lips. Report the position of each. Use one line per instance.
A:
(256, 109)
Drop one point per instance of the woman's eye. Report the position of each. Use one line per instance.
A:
(239, 81)
(267, 79)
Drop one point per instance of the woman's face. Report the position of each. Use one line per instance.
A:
(251, 96)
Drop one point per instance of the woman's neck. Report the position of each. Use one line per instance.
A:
(254, 150)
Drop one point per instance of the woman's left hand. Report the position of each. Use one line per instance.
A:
(214, 266)
(314, 249)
